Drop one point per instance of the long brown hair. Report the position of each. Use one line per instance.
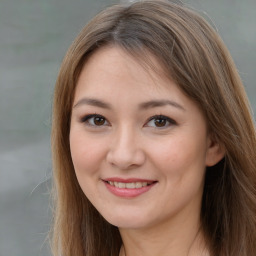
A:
(194, 56)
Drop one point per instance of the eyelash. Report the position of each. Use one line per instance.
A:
(87, 118)
(163, 118)
(166, 119)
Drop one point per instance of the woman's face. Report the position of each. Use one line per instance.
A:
(139, 146)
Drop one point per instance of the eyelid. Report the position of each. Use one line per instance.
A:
(86, 118)
(168, 119)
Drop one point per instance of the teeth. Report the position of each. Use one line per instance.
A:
(119, 184)
(139, 184)
(128, 185)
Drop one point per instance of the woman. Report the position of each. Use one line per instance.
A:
(154, 146)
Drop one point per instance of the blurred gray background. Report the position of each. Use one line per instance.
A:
(34, 36)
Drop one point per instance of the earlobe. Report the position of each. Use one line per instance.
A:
(215, 152)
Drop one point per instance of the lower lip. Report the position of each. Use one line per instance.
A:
(128, 192)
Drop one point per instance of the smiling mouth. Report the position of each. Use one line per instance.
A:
(129, 185)
(128, 188)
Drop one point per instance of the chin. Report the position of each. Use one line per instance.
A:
(127, 224)
(128, 221)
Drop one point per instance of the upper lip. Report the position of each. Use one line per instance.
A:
(130, 180)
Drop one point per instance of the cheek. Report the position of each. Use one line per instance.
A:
(85, 152)
(179, 156)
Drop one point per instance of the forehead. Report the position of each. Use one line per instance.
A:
(115, 63)
(116, 78)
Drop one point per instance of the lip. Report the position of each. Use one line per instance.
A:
(128, 192)
(117, 179)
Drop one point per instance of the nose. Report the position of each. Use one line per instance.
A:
(125, 151)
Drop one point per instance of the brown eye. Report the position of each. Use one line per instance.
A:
(95, 120)
(160, 122)
(98, 120)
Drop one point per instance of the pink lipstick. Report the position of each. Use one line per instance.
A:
(128, 188)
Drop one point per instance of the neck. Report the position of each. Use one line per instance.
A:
(170, 239)
(197, 248)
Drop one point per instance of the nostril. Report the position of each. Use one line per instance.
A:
(126, 158)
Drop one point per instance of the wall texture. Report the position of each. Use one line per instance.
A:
(34, 36)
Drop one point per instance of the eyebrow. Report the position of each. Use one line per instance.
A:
(160, 103)
(144, 105)
(92, 102)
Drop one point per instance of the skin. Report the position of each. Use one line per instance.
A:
(126, 141)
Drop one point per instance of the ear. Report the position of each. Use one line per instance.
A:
(215, 151)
